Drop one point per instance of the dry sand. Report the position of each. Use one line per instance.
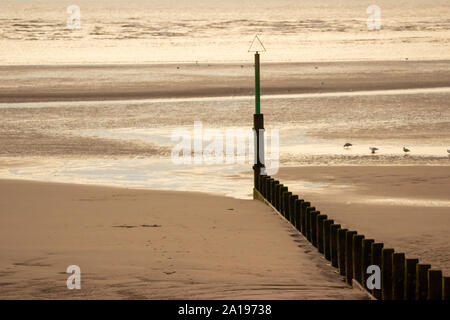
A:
(140, 244)
(405, 207)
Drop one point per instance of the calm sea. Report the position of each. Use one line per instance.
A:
(145, 31)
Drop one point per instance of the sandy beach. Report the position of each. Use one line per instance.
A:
(141, 244)
(126, 143)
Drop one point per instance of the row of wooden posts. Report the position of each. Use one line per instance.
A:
(352, 254)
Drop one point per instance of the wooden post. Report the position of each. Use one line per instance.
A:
(398, 276)
(268, 184)
(265, 179)
(366, 257)
(434, 285)
(282, 196)
(410, 279)
(386, 273)
(341, 250)
(261, 184)
(319, 231)
(280, 200)
(377, 249)
(334, 244)
(257, 180)
(313, 229)
(422, 281)
(327, 238)
(357, 258)
(287, 203)
(286, 196)
(446, 288)
(272, 191)
(292, 208)
(305, 205)
(349, 256)
(308, 222)
(298, 207)
(277, 192)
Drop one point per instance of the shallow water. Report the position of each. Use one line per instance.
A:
(418, 120)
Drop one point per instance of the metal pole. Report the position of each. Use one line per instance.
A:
(258, 127)
(257, 85)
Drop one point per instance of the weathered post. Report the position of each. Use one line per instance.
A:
(398, 276)
(309, 210)
(349, 256)
(287, 196)
(334, 228)
(298, 208)
(446, 288)
(327, 238)
(266, 187)
(341, 250)
(377, 249)
(410, 279)
(386, 273)
(268, 180)
(366, 258)
(313, 230)
(305, 205)
(282, 192)
(283, 189)
(276, 192)
(264, 179)
(434, 285)
(422, 281)
(292, 209)
(357, 258)
(271, 184)
(319, 222)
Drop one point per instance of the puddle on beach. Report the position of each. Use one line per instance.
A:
(162, 174)
(406, 202)
(233, 180)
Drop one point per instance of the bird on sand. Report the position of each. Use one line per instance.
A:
(373, 149)
(406, 150)
(347, 145)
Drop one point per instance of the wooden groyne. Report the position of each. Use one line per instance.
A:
(401, 278)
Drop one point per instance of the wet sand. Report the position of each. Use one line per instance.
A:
(124, 82)
(140, 244)
(405, 207)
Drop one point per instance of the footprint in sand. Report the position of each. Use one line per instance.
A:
(169, 272)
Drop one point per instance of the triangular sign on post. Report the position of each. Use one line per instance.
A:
(257, 45)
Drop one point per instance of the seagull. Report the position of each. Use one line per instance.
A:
(406, 149)
(373, 149)
(347, 145)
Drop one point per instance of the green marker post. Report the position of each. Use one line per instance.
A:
(258, 117)
(257, 85)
